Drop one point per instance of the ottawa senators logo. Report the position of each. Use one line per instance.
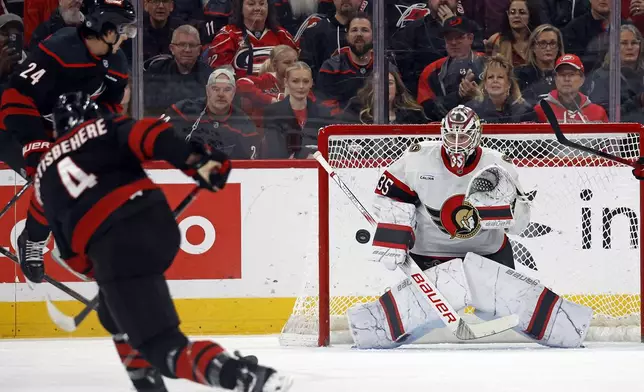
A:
(459, 218)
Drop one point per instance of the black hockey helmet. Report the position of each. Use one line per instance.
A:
(118, 13)
(73, 109)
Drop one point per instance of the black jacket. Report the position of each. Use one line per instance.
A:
(165, 85)
(420, 44)
(320, 41)
(632, 88)
(234, 134)
(534, 83)
(284, 136)
(403, 116)
(560, 12)
(47, 28)
(586, 37)
(513, 112)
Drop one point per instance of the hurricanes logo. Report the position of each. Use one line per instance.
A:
(459, 218)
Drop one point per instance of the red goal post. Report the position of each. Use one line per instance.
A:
(585, 238)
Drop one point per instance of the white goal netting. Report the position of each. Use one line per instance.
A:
(583, 240)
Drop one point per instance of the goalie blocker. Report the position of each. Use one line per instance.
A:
(398, 317)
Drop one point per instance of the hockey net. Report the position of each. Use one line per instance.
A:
(583, 241)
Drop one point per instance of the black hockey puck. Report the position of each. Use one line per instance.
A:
(363, 236)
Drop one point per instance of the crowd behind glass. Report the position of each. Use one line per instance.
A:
(259, 78)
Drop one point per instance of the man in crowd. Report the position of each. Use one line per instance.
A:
(452, 80)
(158, 26)
(172, 78)
(420, 43)
(568, 104)
(215, 120)
(326, 37)
(344, 74)
(67, 14)
(11, 49)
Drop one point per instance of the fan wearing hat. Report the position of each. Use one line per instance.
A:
(568, 104)
(215, 120)
(84, 58)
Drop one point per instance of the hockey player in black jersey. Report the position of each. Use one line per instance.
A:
(111, 222)
(85, 58)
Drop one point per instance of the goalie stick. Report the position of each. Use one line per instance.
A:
(561, 138)
(71, 323)
(461, 329)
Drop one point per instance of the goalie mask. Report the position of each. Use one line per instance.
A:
(461, 135)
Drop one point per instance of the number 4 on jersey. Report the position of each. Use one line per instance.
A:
(74, 178)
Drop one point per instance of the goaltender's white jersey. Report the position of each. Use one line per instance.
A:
(444, 226)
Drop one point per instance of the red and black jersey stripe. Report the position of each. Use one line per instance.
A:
(391, 187)
(143, 136)
(495, 212)
(388, 303)
(542, 313)
(193, 361)
(394, 236)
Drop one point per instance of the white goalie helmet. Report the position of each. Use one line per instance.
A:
(461, 134)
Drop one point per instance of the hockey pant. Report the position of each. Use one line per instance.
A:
(401, 315)
(129, 259)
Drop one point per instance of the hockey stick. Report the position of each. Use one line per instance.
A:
(461, 329)
(69, 323)
(561, 138)
(15, 198)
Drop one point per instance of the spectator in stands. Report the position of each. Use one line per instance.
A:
(344, 74)
(560, 12)
(171, 78)
(188, 11)
(488, 14)
(326, 37)
(587, 35)
(291, 126)
(158, 26)
(10, 50)
(36, 12)
(67, 14)
(537, 78)
(217, 14)
(632, 77)
(452, 80)
(512, 42)
(215, 121)
(420, 43)
(403, 108)
(633, 11)
(291, 14)
(248, 40)
(568, 104)
(255, 92)
(499, 99)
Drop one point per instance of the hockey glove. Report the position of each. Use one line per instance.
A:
(211, 172)
(638, 171)
(30, 254)
(391, 243)
(32, 153)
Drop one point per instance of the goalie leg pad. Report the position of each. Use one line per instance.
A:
(403, 315)
(544, 316)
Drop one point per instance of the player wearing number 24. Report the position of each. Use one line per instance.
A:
(112, 223)
(448, 207)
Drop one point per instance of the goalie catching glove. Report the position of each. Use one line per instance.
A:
(500, 203)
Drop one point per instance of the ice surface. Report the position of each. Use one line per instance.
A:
(91, 365)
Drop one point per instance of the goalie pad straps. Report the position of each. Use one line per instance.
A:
(388, 303)
(390, 235)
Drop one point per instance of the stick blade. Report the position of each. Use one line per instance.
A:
(466, 331)
(552, 120)
(59, 318)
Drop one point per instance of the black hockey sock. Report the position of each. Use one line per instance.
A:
(144, 376)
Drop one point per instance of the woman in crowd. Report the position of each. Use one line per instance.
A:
(256, 92)
(403, 109)
(247, 41)
(632, 77)
(499, 99)
(291, 126)
(512, 40)
(537, 78)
